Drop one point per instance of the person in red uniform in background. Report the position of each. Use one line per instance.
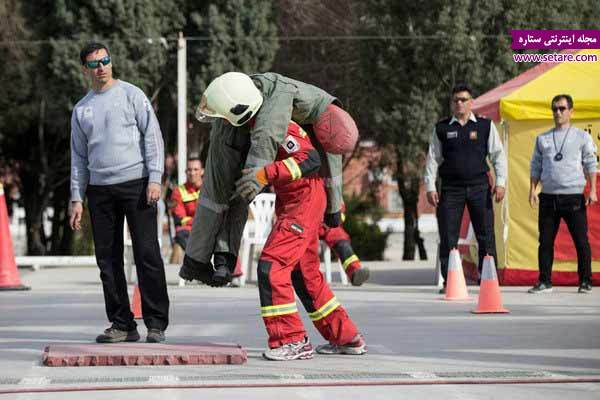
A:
(183, 204)
(339, 241)
(290, 258)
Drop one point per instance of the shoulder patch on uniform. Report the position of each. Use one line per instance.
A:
(290, 144)
(88, 112)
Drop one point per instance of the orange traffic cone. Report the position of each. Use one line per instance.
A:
(9, 274)
(136, 303)
(456, 287)
(490, 299)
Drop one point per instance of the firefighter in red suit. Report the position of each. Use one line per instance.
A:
(183, 203)
(290, 258)
(339, 241)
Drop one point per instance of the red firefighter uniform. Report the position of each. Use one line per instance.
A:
(184, 201)
(290, 258)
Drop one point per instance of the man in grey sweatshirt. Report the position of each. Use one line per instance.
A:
(117, 160)
(563, 158)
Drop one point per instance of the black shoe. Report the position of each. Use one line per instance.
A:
(221, 277)
(195, 270)
(224, 267)
(585, 287)
(114, 335)
(442, 289)
(155, 336)
(541, 288)
(360, 276)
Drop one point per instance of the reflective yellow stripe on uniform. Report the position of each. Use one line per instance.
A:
(279, 309)
(293, 167)
(187, 196)
(349, 260)
(185, 220)
(324, 311)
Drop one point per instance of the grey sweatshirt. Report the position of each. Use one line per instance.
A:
(115, 138)
(566, 176)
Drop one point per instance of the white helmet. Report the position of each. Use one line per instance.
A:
(232, 96)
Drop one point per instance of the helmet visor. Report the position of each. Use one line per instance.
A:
(203, 113)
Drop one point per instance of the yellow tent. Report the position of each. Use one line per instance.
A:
(521, 111)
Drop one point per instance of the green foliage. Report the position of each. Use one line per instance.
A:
(241, 36)
(42, 78)
(368, 241)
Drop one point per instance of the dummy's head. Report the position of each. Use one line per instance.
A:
(231, 96)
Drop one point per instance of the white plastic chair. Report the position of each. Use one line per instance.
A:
(256, 231)
(327, 260)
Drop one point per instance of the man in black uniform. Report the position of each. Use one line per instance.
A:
(461, 146)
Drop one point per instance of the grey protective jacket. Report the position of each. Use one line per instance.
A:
(219, 221)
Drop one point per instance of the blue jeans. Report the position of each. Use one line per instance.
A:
(478, 200)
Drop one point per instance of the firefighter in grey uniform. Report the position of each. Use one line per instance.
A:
(250, 116)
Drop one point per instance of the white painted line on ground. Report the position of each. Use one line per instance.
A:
(34, 381)
(162, 379)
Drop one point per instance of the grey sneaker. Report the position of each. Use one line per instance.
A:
(360, 276)
(155, 336)
(585, 287)
(356, 347)
(114, 335)
(541, 288)
(302, 350)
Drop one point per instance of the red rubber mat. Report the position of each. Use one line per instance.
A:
(83, 355)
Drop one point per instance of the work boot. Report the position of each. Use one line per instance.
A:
(356, 347)
(114, 335)
(301, 350)
(196, 270)
(155, 336)
(221, 277)
(224, 267)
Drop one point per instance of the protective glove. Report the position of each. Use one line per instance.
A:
(251, 183)
(333, 220)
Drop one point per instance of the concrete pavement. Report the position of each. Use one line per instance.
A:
(414, 339)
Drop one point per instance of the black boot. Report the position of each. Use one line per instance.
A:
(224, 267)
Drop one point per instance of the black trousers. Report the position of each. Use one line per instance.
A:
(571, 208)
(181, 238)
(108, 205)
(478, 200)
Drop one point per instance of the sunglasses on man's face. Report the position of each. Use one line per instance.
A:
(93, 64)
(559, 108)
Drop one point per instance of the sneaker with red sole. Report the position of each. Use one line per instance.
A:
(356, 347)
(301, 350)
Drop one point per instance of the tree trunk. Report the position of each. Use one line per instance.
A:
(34, 207)
(408, 187)
(61, 241)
